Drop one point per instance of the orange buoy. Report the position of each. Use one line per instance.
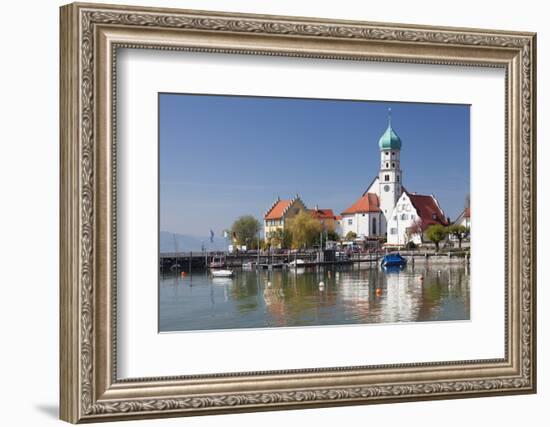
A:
(183, 274)
(378, 292)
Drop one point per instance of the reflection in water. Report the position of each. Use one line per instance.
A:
(314, 296)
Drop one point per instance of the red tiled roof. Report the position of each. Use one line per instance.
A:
(278, 209)
(337, 217)
(367, 203)
(428, 209)
(322, 213)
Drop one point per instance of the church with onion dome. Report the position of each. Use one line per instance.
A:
(386, 208)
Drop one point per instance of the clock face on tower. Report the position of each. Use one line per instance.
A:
(386, 188)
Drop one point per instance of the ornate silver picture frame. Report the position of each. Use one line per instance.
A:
(91, 35)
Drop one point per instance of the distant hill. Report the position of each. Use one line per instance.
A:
(187, 243)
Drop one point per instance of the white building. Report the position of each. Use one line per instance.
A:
(464, 218)
(364, 217)
(412, 215)
(368, 216)
(339, 225)
(386, 209)
(390, 177)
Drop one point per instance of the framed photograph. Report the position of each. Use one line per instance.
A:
(265, 213)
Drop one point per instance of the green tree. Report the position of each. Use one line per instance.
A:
(245, 230)
(287, 238)
(333, 235)
(304, 229)
(351, 236)
(280, 238)
(436, 233)
(458, 231)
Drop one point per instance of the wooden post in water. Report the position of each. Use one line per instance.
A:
(190, 261)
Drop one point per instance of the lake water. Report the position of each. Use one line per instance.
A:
(282, 298)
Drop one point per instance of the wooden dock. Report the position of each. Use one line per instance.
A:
(188, 261)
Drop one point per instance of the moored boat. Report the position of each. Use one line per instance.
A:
(296, 263)
(249, 265)
(222, 273)
(393, 260)
(218, 262)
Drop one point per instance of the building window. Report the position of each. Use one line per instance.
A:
(393, 153)
(386, 177)
(374, 226)
(393, 165)
(393, 231)
(404, 216)
(350, 221)
(387, 153)
(363, 214)
(387, 165)
(397, 178)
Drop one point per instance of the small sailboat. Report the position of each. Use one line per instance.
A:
(393, 260)
(222, 273)
(175, 267)
(218, 262)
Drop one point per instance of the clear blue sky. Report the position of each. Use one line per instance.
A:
(226, 156)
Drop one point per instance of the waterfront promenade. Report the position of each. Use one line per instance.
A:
(188, 261)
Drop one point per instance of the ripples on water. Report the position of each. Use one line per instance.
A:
(350, 295)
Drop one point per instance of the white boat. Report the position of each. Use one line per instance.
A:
(296, 263)
(249, 265)
(222, 273)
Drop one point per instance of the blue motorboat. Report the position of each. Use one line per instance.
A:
(393, 260)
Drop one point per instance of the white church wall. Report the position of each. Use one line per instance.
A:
(360, 224)
(348, 224)
(403, 216)
(374, 187)
(363, 224)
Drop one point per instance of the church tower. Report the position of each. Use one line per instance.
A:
(390, 177)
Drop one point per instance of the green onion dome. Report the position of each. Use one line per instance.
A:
(389, 140)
